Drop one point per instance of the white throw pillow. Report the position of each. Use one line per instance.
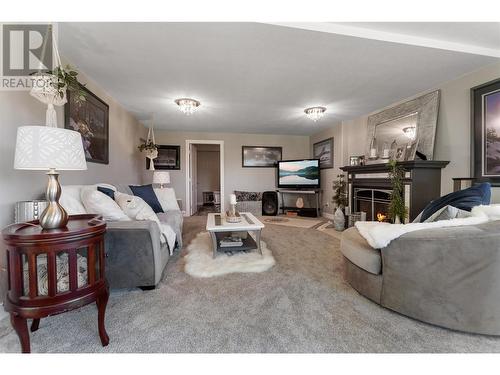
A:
(71, 201)
(71, 197)
(135, 207)
(167, 199)
(99, 203)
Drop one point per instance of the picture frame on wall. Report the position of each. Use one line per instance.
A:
(485, 118)
(90, 118)
(323, 150)
(260, 156)
(169, 158)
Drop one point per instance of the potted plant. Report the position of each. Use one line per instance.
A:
(340, 200)
(397, 211)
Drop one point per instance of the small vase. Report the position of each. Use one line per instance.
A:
(397, 220)
(299, 203)
(339, 220)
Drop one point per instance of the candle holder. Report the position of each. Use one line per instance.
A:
(233, 216)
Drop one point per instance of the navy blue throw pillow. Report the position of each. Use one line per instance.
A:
(464, 199)
(109, 192)
(147, 193)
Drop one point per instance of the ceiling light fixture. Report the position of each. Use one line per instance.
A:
(187, 106)
(315, 113)
(410, 132)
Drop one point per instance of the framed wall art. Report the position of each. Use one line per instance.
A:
(260, 156)
(485, 111)
(169, 157)
(90, 118)
(323, 151)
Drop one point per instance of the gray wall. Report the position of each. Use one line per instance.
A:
(453, 136)
(236, 177)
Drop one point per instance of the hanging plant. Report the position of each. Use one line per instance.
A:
(340, 192)
(50, 86)
(67, 80)
(147, 145)
(397, 212)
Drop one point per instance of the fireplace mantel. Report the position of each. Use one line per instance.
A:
(384, 167)
(422, 182)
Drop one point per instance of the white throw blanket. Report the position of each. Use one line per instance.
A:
(379, 235)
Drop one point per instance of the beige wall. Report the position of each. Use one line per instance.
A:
(236, 177)
(453, 135)
(330, 174)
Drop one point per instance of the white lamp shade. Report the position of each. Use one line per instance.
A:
(43, 147)
(161, 177)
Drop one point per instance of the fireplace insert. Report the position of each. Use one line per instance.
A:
(375, 202)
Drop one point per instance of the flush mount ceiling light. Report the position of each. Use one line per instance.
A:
(410, 132)
(187, 106)
(315, 113)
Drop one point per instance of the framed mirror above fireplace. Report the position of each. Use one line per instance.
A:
(404, 132)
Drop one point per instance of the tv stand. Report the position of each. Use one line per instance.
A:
(305, 211)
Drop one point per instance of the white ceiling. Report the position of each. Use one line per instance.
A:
(258, 78)
(481, 34)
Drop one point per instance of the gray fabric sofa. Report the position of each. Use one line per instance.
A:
(135, 256)
(449, 277)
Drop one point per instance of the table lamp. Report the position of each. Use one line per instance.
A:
(50, 148)
(161, 177)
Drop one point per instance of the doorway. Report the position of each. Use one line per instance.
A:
(204, 177)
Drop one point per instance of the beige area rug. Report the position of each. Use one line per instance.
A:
(292, 222)
(199, 261)
(329, 229)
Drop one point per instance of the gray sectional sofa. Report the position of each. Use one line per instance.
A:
(449, 277)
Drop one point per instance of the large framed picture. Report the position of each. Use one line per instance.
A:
(323, 151)
(91, 119)
(486, 129)
(169, 157)
(260, 156)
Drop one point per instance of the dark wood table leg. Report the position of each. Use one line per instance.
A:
(35, 324)
(101, 302)
(21, 327)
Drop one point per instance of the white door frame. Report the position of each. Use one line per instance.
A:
(189, 142)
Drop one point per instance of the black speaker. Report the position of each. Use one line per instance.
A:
(270, 203)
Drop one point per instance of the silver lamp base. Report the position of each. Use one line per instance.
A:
(54, 216)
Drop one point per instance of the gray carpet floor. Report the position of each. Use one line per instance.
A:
(301, 305)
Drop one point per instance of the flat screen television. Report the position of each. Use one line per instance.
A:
(298, 174)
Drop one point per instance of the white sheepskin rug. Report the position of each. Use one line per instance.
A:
(200, 263)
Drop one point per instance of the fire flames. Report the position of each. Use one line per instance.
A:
(381, 217)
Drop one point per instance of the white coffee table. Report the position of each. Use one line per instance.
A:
(249, 223)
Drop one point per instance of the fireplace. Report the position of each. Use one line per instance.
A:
(369, 186)
(375, 202)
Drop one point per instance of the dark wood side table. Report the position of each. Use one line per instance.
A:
(28, 246)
